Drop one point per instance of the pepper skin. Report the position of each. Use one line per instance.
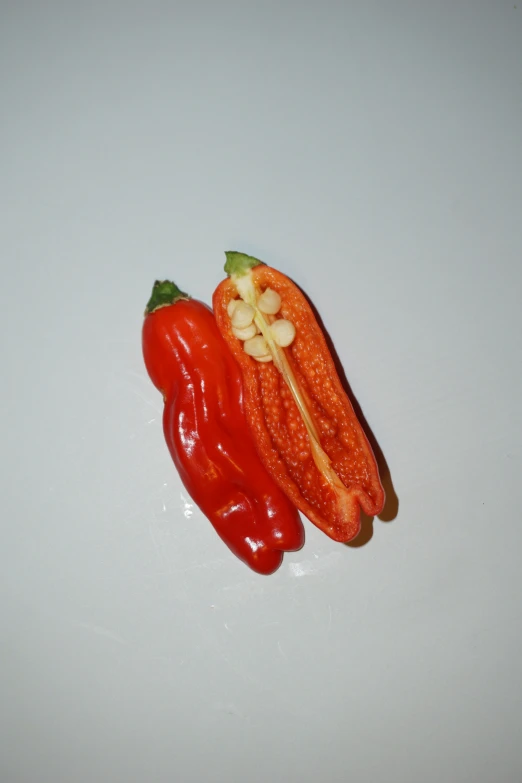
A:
(207, 433)
(304, 426)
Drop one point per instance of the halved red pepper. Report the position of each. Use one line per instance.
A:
(304, 426)
(207, 432)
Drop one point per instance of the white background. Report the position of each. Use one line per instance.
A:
(372, 152)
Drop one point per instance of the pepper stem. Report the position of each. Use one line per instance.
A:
(239, 264)
(164, 293)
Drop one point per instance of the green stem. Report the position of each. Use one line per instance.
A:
(239, 264)
(164, 293)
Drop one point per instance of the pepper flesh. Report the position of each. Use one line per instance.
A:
(304, 426)
(207, 433)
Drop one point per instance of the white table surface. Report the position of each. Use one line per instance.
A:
(372, 152)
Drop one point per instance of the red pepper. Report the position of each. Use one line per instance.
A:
(304, 426)
(207, 432)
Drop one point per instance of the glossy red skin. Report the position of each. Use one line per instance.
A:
(209, 438)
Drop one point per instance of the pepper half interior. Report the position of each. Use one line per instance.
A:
(254, 321)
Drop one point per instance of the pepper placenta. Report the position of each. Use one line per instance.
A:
(304, 426)
(207, 433)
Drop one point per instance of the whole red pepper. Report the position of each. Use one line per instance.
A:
(304, 426)
(207, 432)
